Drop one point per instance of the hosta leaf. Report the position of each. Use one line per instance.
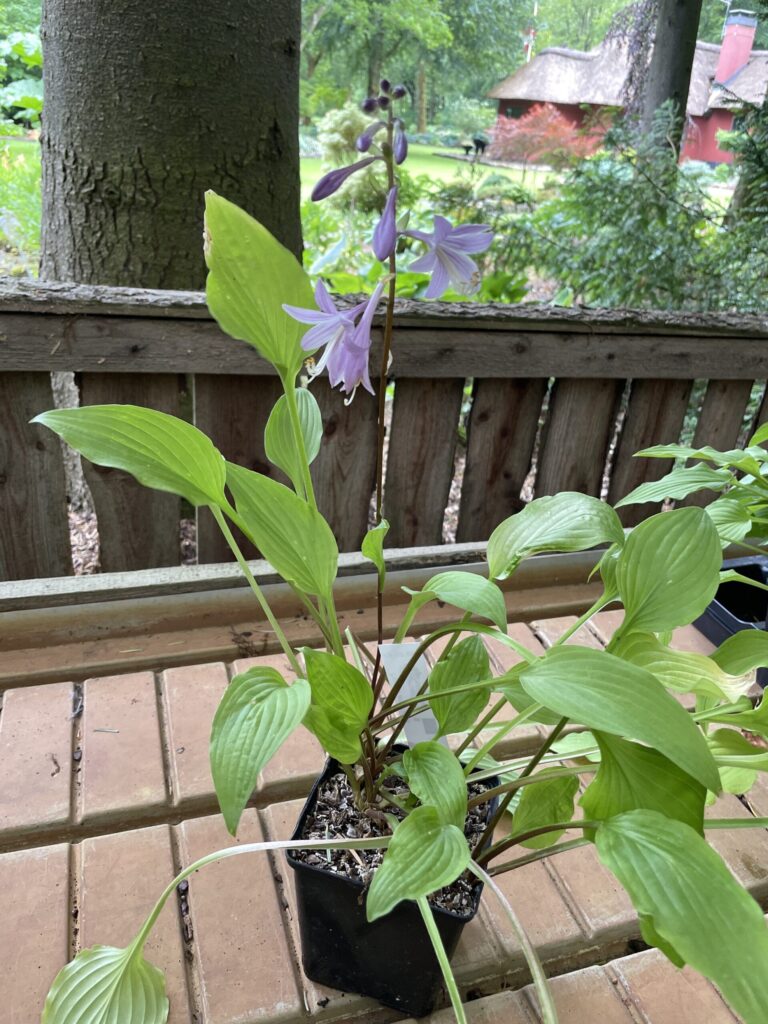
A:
(105, 985)
(466, 663)
(604, 692)
(257, 713)
(732, 520)
(425, 855)
(732, 749)
(686, 897)
(250, 276)
(669, 570)
(341, 700)
(742, 652)
(373, 549)
(509, 686)
(292, 536)
(679, 483)
(682, 671)
(632, 776)
(280, 441)
(437, 778)
(545, 803)
(562, 522)
(753, 720)
(161, 451)
(465, 590)
(734, 457)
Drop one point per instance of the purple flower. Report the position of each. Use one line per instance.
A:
(398, 92)
(385, 232)
(347, 345)
(383, 102)
(369, 105)
(400, 142)
(385, 85)
(446, 256)
(363, 143)
(333, 180)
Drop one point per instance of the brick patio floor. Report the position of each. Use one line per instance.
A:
(107, 793)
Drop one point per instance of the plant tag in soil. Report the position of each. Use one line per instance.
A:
(422, 725)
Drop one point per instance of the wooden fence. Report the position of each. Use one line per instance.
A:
(561, 399)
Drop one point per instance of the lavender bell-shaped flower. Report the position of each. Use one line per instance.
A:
(385, 232)
(348, 365)
(364, 140)
(447, 256)
(333, 180)
(330, 326)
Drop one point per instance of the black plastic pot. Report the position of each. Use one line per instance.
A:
(738, 606)
(390, 960)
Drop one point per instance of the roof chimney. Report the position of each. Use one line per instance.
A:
(738, 36)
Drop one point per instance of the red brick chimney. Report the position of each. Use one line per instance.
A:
(738, 37)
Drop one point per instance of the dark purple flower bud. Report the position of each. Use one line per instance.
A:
(383, 102)
(369, 105)
(398, 92)
(385, 85)
(385, 232)
(333, 180)
(363, 143)
(399, 142)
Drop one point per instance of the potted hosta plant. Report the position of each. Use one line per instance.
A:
(740, 512)
(409, 827)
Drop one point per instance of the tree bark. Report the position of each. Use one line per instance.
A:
(669, 74)
(421, 97)
(149, 104)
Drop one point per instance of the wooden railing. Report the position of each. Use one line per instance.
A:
(561, 399)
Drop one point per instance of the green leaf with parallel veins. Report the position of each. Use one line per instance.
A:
(250, 276)
(604, 692)
(509, 686)
(161, 451)
(424, 855)
(760, 436)
(562, 522)
(257, 713)
(745, 459)
(545, 803)
(631, 776)
(465, 590)
(669, 570)
(280, 441)
(732, 520)
(754, 720)
(341, 701)
(466, 663)
(106, 985)
(293, 537)
(686, 896)
(732, 749)
(742, 652)
(436, 777)
(373, 549)
(679, 483)
(682, 671)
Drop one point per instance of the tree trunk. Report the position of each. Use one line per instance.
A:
(421, 98)
(149, 104)
(669, 74)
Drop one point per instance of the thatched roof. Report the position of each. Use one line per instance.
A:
(559, 75)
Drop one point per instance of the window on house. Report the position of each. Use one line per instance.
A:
(513, 111)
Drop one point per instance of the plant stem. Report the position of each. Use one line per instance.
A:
(293, 413)
(264, 604)
(603, 600)
(532, 833)
(486, 748)
(543, 992)
(511, 787)
(530, 858)
(442, 959)
(484, 721)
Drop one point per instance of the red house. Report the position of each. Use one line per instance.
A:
(724, 78)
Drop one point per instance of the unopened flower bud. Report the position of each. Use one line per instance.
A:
(383, 102)
(385, 85)
(369, 105)
(398, 92)
(363, 142)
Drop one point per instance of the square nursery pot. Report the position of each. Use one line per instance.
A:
(738, 606)
(391, 959)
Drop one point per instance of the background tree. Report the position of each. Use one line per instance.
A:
(577, 24)
(147, 106)
(669, 72)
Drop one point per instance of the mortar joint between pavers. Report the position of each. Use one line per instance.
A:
(625, 994)
(161, 703)
(76, 768)
(75, 861)
(185, 922)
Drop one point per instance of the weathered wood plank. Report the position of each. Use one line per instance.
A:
(420, 462)
(345, 469)
(233, 412)
(576, 435)
(138, 526)
(654, 415)
(66, 298)
(135, 344)
(500, 435)
(34, 538)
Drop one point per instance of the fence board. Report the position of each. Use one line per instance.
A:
(233, 412)
(720, 422)
(34, 539)
(345, 469)
(420, 462)
(654, 415)
(138, 526)
(576, 435)
(501, 433)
